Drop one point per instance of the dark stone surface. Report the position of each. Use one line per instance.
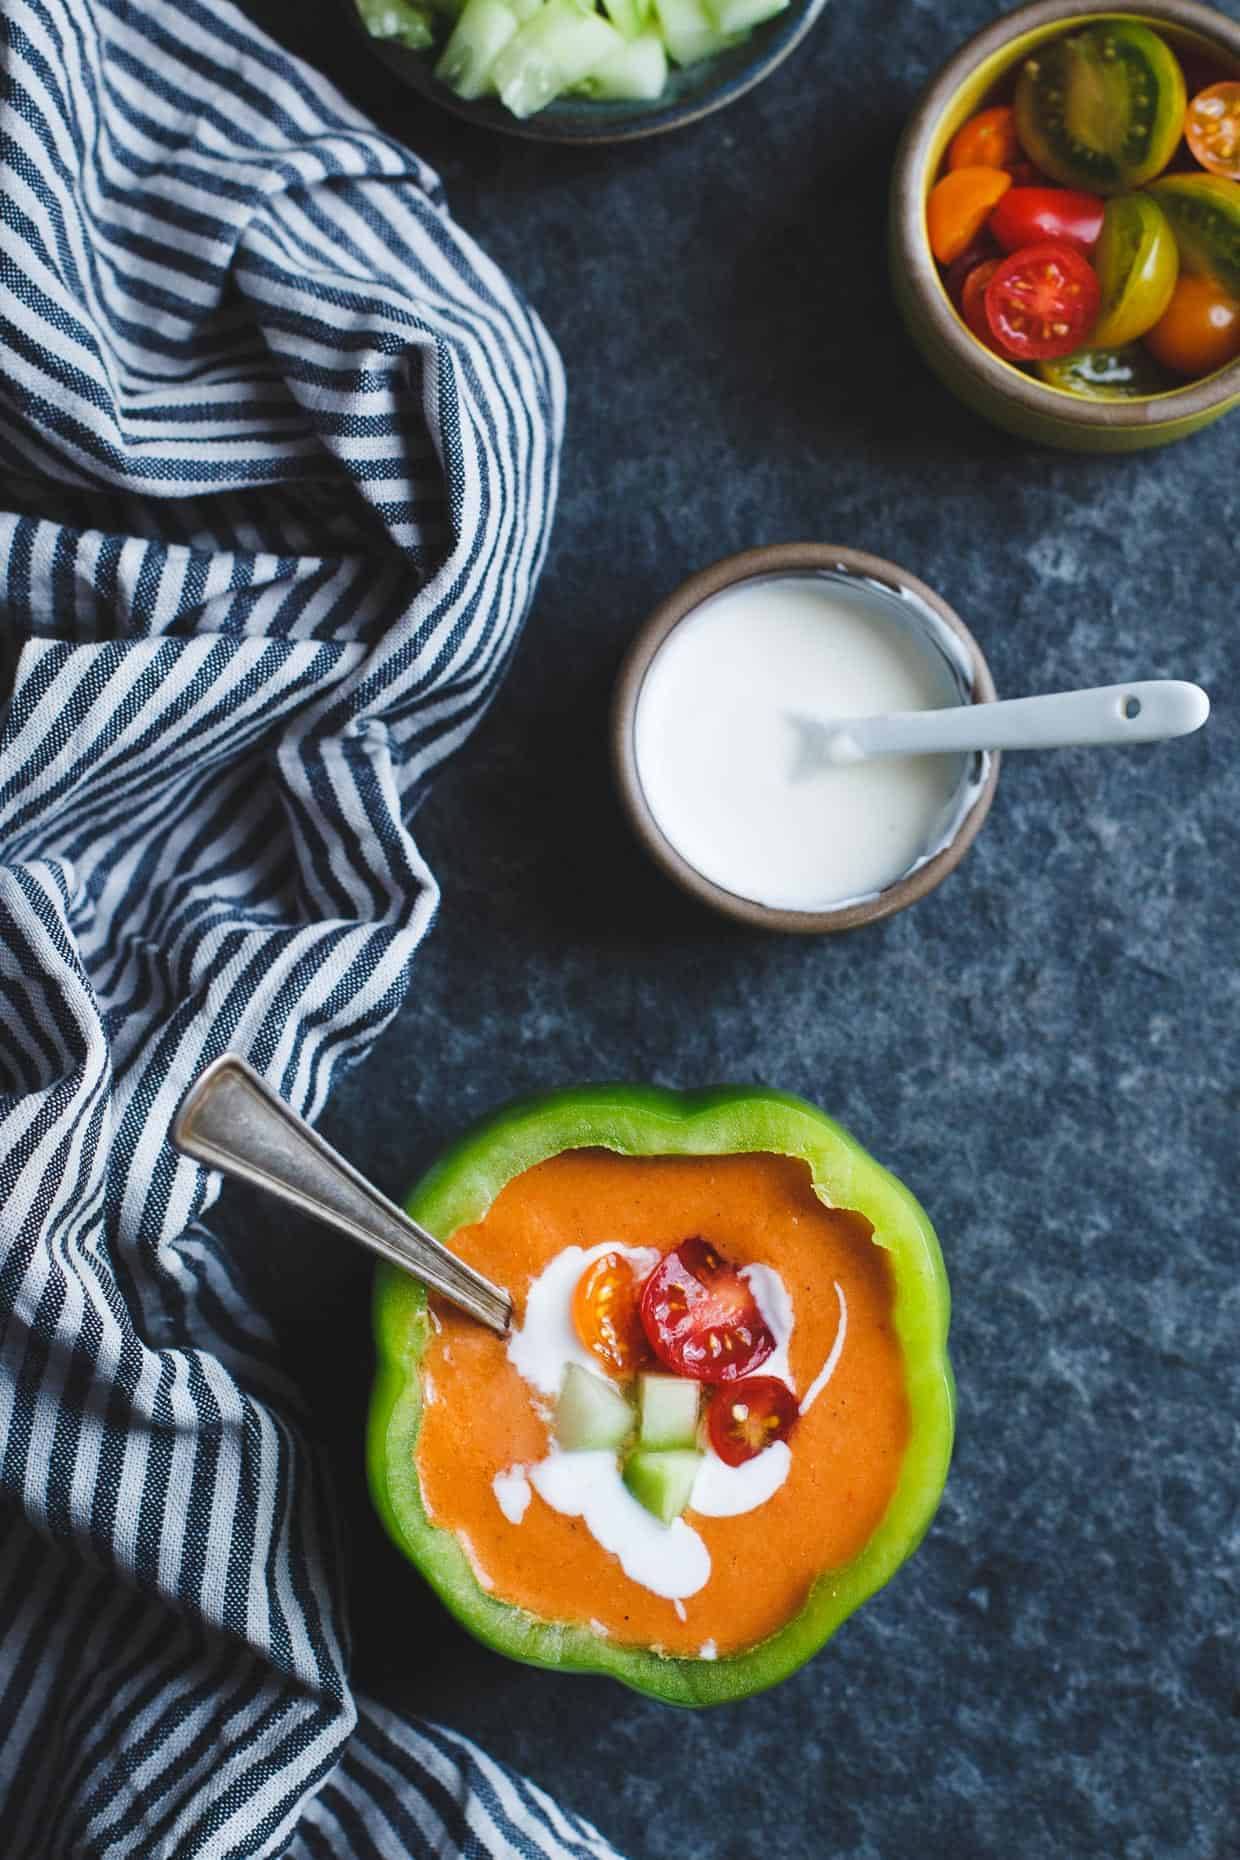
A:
(1046, 1049)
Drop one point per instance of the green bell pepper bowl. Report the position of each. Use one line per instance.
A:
(635, 1120)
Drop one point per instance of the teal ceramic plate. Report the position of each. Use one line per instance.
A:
(689, 94)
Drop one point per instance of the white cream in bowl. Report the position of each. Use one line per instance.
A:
(720, 757)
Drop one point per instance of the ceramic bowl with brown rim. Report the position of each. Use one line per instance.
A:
(933, 630)
(1002, 392)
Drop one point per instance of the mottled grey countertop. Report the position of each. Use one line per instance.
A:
(1046, 1049)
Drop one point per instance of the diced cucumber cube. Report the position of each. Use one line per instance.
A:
(689, 30)
(479, 36)
(744, 15)
(553, 51)
(525, 9)
(590, 1414)
(638, 71)
(668, 1406)
(662, 1482)
(401, 20)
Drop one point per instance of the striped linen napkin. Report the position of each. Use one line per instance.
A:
(279, 452)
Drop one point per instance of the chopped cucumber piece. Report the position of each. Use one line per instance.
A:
(478, 38)
(689, 30)
(662, 1482)
(744, 15)
(553, 51)
(669, 1412)
(525, 9)
(401, 20)
(590, 1414)
(638, 71)
(627, 16)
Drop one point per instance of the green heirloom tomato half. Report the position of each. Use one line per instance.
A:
(1102, 109)
(1106, 374)
(635, 1120)
(1204, 211)
(1137, 265)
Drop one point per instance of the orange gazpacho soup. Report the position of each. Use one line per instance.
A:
(481, 1418)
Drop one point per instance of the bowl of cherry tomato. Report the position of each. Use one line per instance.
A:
(1065, 223)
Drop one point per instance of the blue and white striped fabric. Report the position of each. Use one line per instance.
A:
(278, 450)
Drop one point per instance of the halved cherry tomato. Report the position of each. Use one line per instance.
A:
(961, 269)
(1212, 129)
(1028, 215)
(746, 1417)
(959, 206)
(701, 1317)
(1042, 302)
(973, 301)
(607, 1314)
(1199, 331)
(987, 140)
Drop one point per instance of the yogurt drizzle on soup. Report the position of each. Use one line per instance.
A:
(558, 1533)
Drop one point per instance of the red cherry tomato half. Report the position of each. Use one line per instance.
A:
(606, 1314)
(961, 269)
(701, 1317)
(748, 1416)
(1029, 215)
(1043, 302)
(973, 300)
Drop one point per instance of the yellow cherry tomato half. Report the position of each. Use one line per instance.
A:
(607, 1314)
(1212, 128)
(1199, 331)
(987, 140)
(959, 206)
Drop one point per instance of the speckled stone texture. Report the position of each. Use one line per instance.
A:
(1046, 1049)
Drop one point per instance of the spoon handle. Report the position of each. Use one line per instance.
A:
(232, 1120)
(1144, 712)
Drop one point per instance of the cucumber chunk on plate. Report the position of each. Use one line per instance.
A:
(408, 24)
(637, 72)
(662, 1482)
(558, 47)
(627, 16)
(590, 1414)
(668, 1407)
(478, 38)
(689, 30)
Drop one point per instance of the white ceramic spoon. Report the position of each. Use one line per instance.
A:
(1146, 712)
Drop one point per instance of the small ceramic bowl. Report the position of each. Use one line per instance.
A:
(945, 632)
(986, 383)
(693, 92)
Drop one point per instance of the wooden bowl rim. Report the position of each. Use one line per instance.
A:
(912, 250)
(784, 559)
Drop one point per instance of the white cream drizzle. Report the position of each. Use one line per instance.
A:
(771, 1296)
(512, 1493)
(722, 1491)
(668, 1559)
(837, 1348)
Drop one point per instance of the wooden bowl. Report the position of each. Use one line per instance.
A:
(786, 559)
(988, 384)
(696, 91)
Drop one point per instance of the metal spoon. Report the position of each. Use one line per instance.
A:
(1146, 712)
(232, 1120)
